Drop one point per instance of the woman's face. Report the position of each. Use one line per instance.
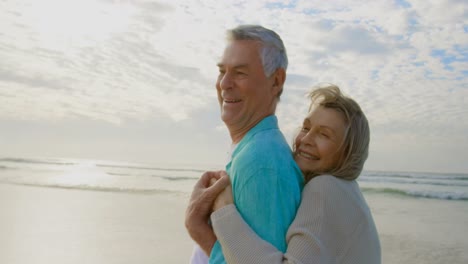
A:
(319, 143)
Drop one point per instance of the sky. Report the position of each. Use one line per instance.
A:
(135, 80)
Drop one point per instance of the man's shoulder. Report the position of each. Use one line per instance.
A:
(267, 145)
(269, 139)
(266, 151)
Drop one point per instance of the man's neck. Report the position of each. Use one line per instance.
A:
(237, 134)
(237, 137)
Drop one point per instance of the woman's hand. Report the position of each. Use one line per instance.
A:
(225, 197)
(199, 208)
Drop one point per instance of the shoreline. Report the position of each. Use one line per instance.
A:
(54, 225)
(420, 230)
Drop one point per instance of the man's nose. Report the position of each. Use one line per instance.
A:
(226, 81)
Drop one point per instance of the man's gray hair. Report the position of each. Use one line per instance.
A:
(272, 53)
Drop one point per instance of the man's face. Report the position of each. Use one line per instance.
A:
(245, 94)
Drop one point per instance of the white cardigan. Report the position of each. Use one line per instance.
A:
(333, 225)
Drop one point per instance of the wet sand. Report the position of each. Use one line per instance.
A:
(52, 225)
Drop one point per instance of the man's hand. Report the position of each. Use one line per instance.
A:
(199, 209)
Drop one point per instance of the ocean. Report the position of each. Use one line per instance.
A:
(113, 176)
(96, 211)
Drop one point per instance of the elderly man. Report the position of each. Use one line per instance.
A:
(266, 181)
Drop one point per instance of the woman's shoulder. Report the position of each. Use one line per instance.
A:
(333, 195)
(328, 181)
(330, 187)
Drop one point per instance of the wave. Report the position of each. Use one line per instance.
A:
(177, 178)
(169, 178)
(107, 167)
(119, 174)
(36, 161)
(146, 168)
(84, 187)
(417, 175)
(428, 181)
(419, 194)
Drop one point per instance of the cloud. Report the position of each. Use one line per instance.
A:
(405, 62)
(354, 39)
(145, 64)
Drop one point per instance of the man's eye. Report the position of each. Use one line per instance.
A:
(305, 129)
(325, 135)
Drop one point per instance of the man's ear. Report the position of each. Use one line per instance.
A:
(278, 81)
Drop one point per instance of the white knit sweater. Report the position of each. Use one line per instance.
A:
(333, 225)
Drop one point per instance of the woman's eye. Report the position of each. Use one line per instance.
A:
(305, 129)
(325, 135)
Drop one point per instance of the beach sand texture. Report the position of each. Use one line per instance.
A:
(54, 225)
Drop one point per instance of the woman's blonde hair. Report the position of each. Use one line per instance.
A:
(355, 147)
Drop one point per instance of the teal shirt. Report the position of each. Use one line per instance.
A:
(266, 184)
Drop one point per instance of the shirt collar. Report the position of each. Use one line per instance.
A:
(269, 122)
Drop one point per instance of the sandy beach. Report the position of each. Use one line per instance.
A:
(420, 230)
(53, 225)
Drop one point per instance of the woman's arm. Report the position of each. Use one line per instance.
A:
(311, 237)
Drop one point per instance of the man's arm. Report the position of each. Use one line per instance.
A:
(268, 202)
(199, 209)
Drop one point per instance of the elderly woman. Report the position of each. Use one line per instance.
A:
(333, 223)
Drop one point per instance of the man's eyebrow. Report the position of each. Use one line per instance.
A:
(240, 66)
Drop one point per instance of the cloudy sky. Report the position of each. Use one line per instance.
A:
(134, 80)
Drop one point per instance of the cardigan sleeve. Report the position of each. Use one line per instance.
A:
(321, 232)
(241, 244)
